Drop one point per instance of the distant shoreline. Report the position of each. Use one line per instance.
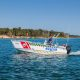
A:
(32, 33)
(6, 36)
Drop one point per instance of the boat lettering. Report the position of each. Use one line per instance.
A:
(51, 49)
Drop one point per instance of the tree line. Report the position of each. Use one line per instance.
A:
(28, 32)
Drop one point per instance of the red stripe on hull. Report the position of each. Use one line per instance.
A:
(25, 45)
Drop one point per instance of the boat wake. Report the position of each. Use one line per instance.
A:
(75, 53)
(31, 56)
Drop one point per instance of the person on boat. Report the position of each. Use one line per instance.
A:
(50, 40)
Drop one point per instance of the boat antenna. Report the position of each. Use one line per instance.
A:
(56, 37)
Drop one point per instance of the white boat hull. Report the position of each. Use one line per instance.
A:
(26, 46)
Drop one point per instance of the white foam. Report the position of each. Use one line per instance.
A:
(75, 53)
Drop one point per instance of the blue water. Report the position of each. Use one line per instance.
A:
(21, 66)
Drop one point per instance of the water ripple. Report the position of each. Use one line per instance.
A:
(21, 66)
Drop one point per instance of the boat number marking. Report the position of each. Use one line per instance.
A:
(51, 49)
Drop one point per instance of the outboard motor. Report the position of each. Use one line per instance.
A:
(68, 48)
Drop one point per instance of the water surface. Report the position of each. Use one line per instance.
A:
(21, 66)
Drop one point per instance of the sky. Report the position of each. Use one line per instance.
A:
(57, 15)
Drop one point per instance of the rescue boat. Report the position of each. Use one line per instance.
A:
(33, 47)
